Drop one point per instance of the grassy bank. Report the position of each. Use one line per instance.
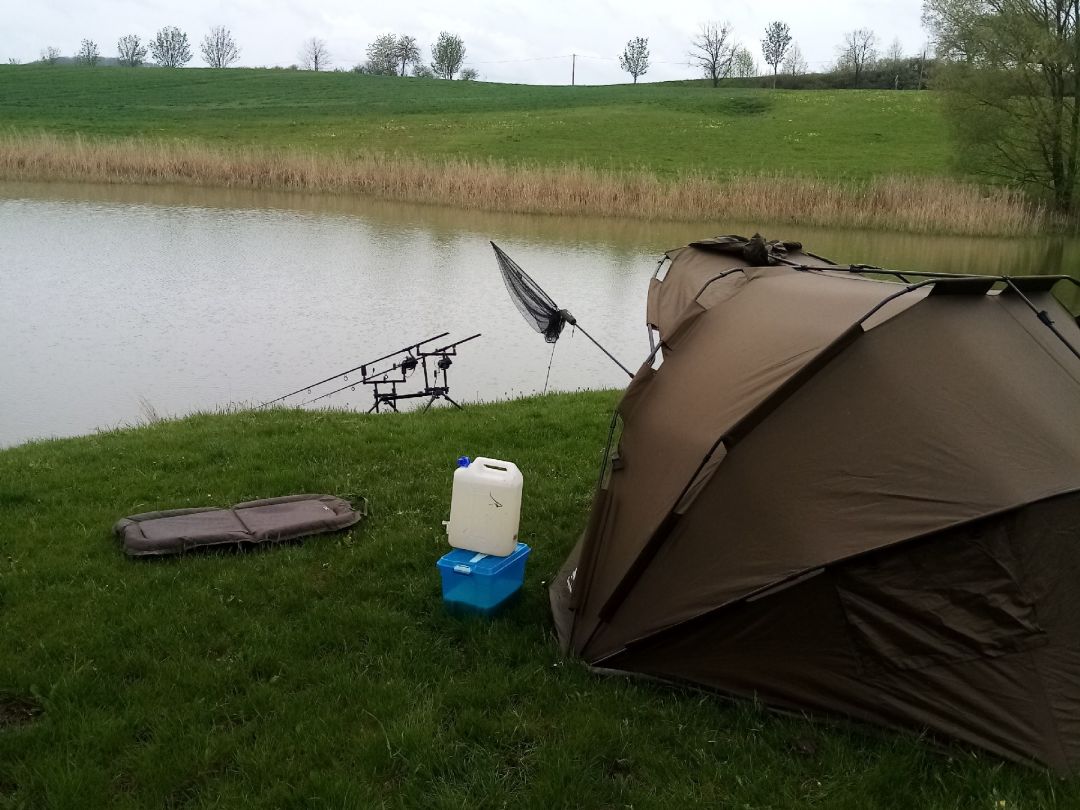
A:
(665, 129)
(680, 151)
(326, 674)
(912, 204)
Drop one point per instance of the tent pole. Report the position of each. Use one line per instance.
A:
(1043, 316)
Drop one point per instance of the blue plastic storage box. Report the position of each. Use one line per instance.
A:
(481, 583)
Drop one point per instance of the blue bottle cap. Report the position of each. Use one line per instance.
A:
(463, 461)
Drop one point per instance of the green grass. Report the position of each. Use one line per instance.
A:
(664, 128)
(327, 674)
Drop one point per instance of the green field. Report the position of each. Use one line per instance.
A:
(326, 674)
(663, 128)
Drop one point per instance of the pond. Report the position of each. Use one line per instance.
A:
(120, 303)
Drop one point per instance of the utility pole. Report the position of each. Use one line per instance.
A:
(573, 68)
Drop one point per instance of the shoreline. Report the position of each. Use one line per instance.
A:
(894, 203)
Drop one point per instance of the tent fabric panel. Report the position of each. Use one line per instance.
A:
(716, 370)
(987, 426)
(652, 302)
(690, 270)
(940, 600)
(560, 594)
(693, 266)
(1058, 668)
(1038, 331)
(1051, 563)
(793, 650)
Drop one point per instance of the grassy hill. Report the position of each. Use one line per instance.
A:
(663, 128)
(327, 674)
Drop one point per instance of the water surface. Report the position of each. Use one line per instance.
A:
(120, 302)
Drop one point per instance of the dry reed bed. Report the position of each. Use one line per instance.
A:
(916, 205)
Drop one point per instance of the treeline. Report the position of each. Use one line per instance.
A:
(906, 73)
(722, 59)
(169, 47)
(388, 55)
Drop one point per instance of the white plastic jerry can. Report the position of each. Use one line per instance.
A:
(485, 506)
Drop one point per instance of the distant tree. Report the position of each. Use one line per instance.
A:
(447, 54)
(1011, 72)
(382, 56)
(794, 64)
(469, 75)
(131, 50)
(775, 45)
(895, 51)
(88, 53)
(742, 64)
(422, 71)
(713, 51)
(50, 55)
(314, 54)
(635, 57)
(170, 47)
(893, 63)
(407, 52)
(858, 52)
(218, 48)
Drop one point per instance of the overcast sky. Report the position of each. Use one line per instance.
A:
(506, 40)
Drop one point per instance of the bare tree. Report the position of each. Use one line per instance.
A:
(218, 48)
(131, 50)
(382, 56)
(50, 55)
(895, 51)
(169, 47)
(635, 57)
(447, 55)
(893, 62)
(858, 52)
(1011, 69)
(469, 75)
(314, 54)
(88, 53)
(713, 51)
(742, 64)
(775, 45)
(407, 52)
(794, 64)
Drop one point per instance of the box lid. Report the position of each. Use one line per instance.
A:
(470, 562)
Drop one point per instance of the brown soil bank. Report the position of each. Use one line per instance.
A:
(914, 205)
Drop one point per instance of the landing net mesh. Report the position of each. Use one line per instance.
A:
(535, 306)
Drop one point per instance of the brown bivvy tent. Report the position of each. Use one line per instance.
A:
(848, 492)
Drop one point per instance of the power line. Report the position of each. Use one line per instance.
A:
(527, 59)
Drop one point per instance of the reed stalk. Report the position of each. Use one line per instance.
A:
(893, 203)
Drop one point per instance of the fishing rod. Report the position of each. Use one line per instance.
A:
(410, 363)
(404, 367)
(433, 389)
(538, 308)
(361, 368)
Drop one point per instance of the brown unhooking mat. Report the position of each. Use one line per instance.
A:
(271, 520)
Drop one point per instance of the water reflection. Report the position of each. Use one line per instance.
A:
(189, 299)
